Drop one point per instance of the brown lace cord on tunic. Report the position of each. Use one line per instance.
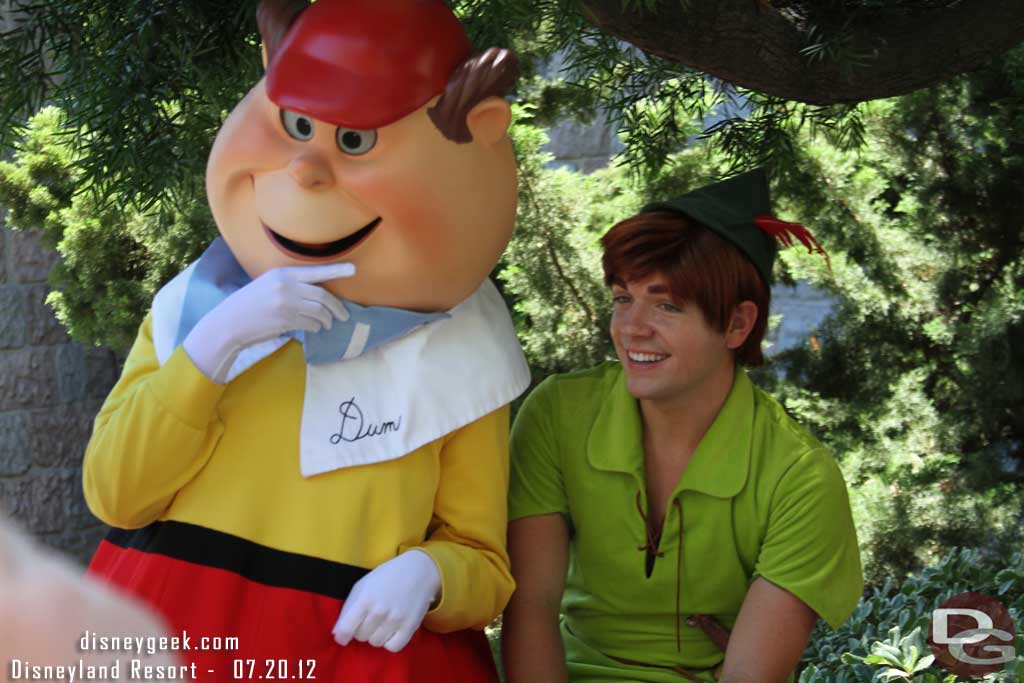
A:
(653, 538)
(717, 633)
(651, 547)
(653, 541)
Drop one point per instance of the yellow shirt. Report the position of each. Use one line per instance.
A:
(169, 444)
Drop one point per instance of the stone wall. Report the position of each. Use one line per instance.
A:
(50, 390)
(581, 146)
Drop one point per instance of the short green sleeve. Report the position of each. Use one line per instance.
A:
(536, 486)
(810, 547)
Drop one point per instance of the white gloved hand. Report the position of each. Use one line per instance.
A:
(387, 605)
(278, 301)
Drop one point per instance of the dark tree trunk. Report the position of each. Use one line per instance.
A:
(748, 43)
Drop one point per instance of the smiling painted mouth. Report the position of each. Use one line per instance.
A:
(326, 249)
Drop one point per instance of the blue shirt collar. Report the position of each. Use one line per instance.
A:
(218, 274)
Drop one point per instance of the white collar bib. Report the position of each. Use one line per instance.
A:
(394, 398)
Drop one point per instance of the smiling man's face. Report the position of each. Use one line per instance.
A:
(423, 219)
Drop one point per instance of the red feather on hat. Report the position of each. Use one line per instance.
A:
(785, 231)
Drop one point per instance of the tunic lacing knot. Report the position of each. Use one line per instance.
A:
(651, 547)
(718, 634)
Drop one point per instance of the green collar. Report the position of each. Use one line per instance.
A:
(721, 462)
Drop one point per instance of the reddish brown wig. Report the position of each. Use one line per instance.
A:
(701, 268)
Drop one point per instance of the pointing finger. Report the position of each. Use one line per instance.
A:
(321, 273)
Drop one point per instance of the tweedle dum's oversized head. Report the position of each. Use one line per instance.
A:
(375, 138)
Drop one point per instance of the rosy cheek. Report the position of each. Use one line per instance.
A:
(405, 200)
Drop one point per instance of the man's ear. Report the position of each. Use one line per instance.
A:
(489, 119)
(263, 53)
(742, 321)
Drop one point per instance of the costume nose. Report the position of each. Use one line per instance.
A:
(311, 172)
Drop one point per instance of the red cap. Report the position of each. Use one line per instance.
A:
(366, 63)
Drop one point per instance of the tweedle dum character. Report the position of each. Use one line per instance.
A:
(307, 448)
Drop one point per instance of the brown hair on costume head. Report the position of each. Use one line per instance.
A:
(490, 73)
(485, 74)
(274, 17)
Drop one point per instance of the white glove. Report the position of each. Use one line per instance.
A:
(280, 300)
(387, 605)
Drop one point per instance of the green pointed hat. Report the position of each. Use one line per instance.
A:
(739, 210)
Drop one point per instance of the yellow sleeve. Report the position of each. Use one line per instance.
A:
(156, 430)
(467, 538)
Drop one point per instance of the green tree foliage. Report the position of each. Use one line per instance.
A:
(145, 85)
(597, 72)
(113, 257)
(918, 378)
(551, 270)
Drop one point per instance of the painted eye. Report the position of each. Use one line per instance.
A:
(298, 126)
(356, 142)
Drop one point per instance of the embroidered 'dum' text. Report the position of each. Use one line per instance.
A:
(354, 426)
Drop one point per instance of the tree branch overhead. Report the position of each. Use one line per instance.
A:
(768, 46)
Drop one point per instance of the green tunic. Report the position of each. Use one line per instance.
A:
(760, 497)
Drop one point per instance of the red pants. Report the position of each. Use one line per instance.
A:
(279, 631)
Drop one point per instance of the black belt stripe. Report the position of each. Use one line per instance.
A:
(252, 561)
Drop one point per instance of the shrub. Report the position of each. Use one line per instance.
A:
(886, 637)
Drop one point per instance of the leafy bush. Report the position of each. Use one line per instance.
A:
(113, 256)
(916, 376)
(551, 271)
(886, 637)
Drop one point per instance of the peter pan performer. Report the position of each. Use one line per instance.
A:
(307, 449)
(662, 501)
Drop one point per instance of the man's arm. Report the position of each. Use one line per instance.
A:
(46, 606)
(769, 636)
(531, 643)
